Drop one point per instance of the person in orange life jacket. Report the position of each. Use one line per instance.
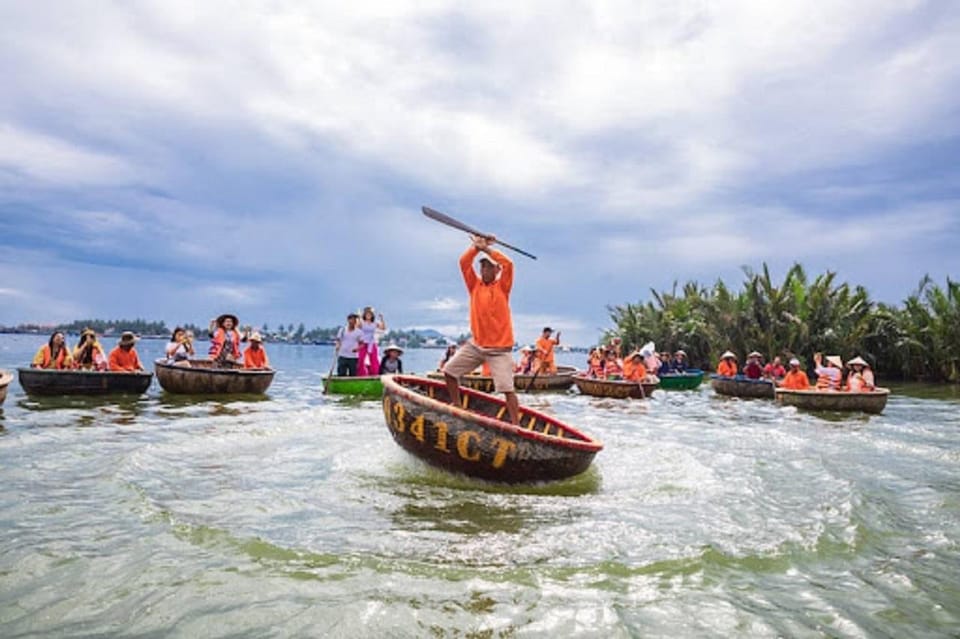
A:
(348, 346)
(753, 369)
(391, 364)
(490, 323)
(860, 379)
(612, 367)
(89, 354)
(54, 354)
(774, 370)
(225, 339)
(829, 377)
(728, 365)
(525, 364)
(633, 368)
(124, 356)
(796, 379)
(545, 354)
(255, 357)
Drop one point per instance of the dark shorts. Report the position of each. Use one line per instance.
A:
(346, 366)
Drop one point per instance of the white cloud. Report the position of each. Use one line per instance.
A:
(442, 305)
(49, 159)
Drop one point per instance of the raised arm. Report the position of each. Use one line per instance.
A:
(466, 267)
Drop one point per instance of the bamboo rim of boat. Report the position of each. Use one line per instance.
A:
(580, 440)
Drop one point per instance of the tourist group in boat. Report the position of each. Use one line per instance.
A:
(831, 374)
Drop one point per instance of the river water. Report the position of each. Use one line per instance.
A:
(297, 515)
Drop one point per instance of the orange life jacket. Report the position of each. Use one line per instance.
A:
(43, 358)
(219, 339)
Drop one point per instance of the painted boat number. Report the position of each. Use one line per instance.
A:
(466, 444)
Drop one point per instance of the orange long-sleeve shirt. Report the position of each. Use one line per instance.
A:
(121, 360)
(545, 346)
(255, 358)
(727, 368)
(490, 319)
(633, 371)
(795, 380)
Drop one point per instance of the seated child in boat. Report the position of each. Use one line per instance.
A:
(391, 364)
(180, 349)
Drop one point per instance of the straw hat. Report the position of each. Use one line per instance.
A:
(858, 360)
(681, 352)
(794, 361)
(256, 337)
(835, 360)
(755, 354)
(393, 347)
(127, 337)
(220, 319)
(727, 354)
(88, 331)
(525, 349)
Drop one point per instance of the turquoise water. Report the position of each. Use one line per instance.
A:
(297, 515)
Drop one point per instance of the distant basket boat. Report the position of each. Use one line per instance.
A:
(561, 380)
(742, 386)
(5, 378)
(618, 389)
(368, 386)
(869, 402)
(43, 381)
(474, 440)
(687, 380)
(202, 378)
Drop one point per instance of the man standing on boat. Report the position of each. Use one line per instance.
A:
(490, 323)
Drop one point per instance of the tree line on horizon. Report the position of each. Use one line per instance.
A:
(918, 339)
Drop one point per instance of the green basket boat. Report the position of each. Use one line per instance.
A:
(687, 380)
(369, 386)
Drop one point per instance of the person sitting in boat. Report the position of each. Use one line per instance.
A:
(796, 379)
(829, 377)
(633, 367)
(728, 365)
(679, 362)
(225, 340)
(666, 363)
(525, 363)
(255, 355)
(54, 354)
(179, 349)
(595, 363)
(545, 351)
(89, 354)
(451, 349)
(615, 345)
(612, 366)
(753, 369)
(391, 364)
(774, 370)
(860, 379)
(368, 359)
(124, 356)
(348, 346)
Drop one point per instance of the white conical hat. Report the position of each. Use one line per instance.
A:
(858, 360)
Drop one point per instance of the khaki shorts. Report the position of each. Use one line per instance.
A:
(469, 356)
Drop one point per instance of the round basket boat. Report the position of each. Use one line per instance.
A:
(690, 379)
(741, 386)
(868, 402)
(43, 381)
(618, 389)
(202, 378)
(472, 439)
(367, 386)
(559, 381)
(5, 378)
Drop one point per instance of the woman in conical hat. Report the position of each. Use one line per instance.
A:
(861, 377)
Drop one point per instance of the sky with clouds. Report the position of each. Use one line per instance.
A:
(175, 160)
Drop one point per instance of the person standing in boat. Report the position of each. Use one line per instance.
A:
(124, 356)
(89, 354)
(368, 362)
(490, 322)
(54, 354)
(225, 340)
(348, 346)
(796, 379)
(728, 365)
(545, 351)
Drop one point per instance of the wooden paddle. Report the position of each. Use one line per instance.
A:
(326, 382)
(449, 221)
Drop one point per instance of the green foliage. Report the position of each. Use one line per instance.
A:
(797, 317)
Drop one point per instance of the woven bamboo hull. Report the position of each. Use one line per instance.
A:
(688, 380)
(40, 381)
(872, 402)
(617, 389)
(200, 378)
(5, 379)
(475, 441)
(561, 380)
(741, 386)
(369, 386)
